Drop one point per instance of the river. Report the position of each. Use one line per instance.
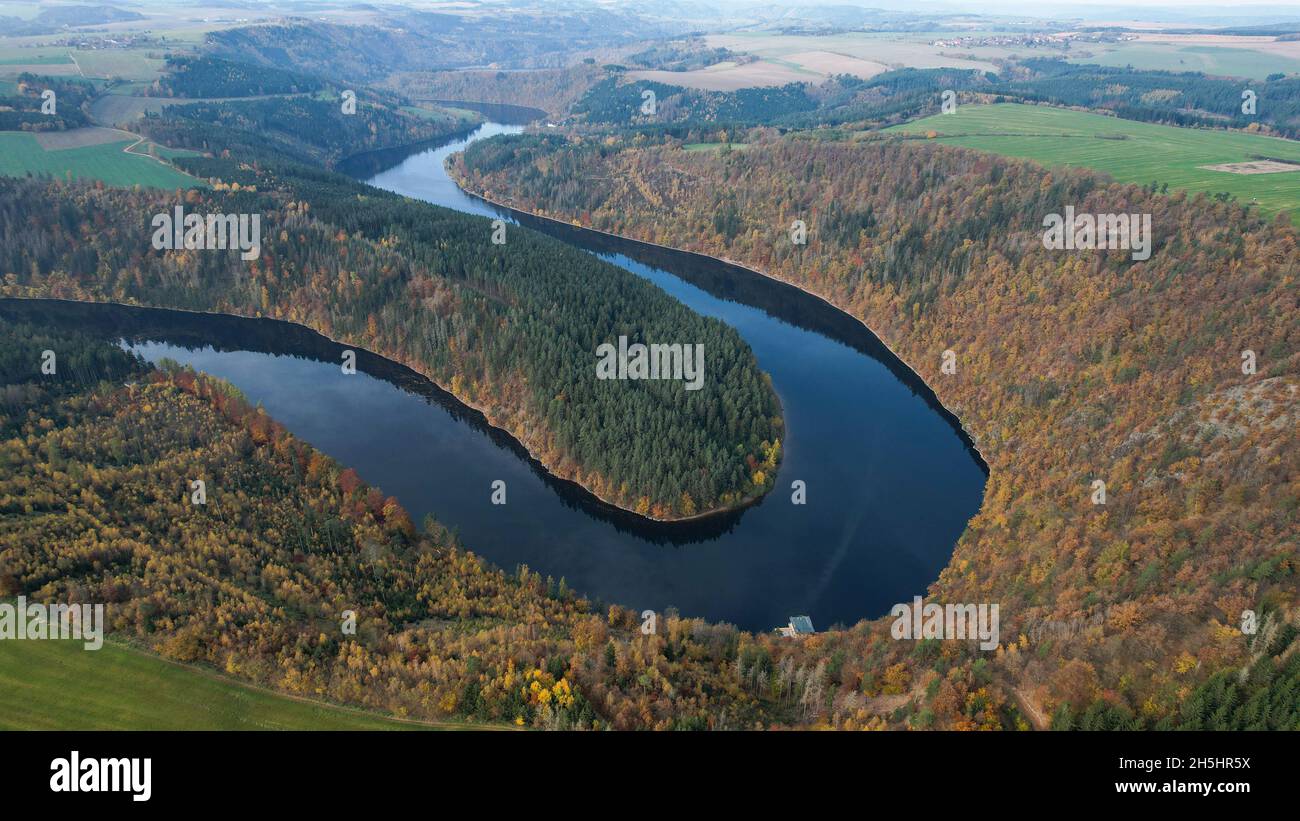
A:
(890, 478)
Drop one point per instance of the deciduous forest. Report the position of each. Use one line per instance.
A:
(96, 503)
(1071, 368)
(1139, 417)
(511, 328)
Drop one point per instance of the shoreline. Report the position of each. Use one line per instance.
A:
(488, 419)
(974, 444)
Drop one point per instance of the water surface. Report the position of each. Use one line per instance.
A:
(891, 479)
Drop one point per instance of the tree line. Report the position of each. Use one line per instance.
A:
(208, 76)
(1173, 98)
(1173, 380)
(511, 329)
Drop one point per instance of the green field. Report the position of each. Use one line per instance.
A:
(1219, 60)
(58, 685)
(125, 64)
(44, 59)
(21, 154)
(910, 49)
(1129, 151)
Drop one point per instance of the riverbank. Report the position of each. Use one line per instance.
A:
(863, 436)
(454, 173)
(490, 419)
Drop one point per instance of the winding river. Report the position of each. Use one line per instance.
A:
(890, 478)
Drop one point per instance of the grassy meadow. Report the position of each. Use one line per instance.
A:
(1129, 151)
(1228, 59)
(21, 154)
(58, 685)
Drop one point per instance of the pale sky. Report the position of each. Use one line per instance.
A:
(1111, 9)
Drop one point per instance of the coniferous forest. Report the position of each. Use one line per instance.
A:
(96, 503)
(1100, 446)
(509, 328)
(1087, 366)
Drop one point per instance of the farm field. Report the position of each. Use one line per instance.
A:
(1129, 151)
(830, 63)
(1253, 57)
(859, 53)
(135, 64)
(50, 69)
(22, 153)
(126, 64)
(52, 685)
(804, 58)
(43, 59)
(114, 109)
(15, 52)
(729, 76)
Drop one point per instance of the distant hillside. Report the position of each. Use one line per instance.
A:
(55, 19)
(1188, 98)
(308, 129)
(420, 41)
(553, 90)
(214, 77)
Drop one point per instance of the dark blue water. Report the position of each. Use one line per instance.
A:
(891, 481)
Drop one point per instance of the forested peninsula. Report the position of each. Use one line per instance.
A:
(510, 328)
